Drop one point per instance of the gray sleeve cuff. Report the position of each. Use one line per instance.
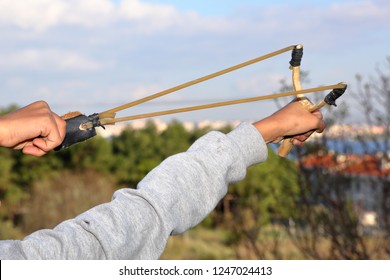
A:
(250, 142)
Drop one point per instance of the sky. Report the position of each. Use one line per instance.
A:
(93, 55)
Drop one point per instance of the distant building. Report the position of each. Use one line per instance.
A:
(360, 179)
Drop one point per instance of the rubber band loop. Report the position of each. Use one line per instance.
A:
(296, 57)
(95, 120)
(330, 99)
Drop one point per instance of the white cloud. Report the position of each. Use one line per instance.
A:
(358, 11)
(49, 59)
(148, 17)
(156, 17)
(43, 14)
(313, 21)
(137, 10)
(30, 14)
(89, 13)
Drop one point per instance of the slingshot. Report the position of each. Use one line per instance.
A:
(81, 127)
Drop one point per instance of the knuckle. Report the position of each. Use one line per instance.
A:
(41, 104)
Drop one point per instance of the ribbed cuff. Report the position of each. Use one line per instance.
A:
(252, 145)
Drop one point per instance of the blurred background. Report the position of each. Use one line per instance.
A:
(328, 200)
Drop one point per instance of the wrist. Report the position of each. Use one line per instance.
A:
(269, 129)
(3, 132)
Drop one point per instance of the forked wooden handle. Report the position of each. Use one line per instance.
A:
(285, 147)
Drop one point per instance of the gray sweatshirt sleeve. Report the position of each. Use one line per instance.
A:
(173, 197)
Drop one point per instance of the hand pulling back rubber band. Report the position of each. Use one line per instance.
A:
(80, 127)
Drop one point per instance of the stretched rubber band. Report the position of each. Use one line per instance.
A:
(81, 127)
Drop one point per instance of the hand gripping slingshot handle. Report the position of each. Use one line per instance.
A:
(330, 99)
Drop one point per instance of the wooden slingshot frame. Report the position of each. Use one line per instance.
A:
(81, 127)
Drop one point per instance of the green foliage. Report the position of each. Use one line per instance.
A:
(175, 139)
(200, 244)
(269, 190)
(95, 154)
(136, 152)
(6, 164)
(27, 169)
(267, 196)
(64, 196)
(9, 231)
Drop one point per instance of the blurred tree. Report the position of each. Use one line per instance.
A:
(11, 193)
(267, 196)
(327, 211)
(373, 97)
(136, 152)
(63, 196)
(95, 154)
(175, 139)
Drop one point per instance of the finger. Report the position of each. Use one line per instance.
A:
(52, 135)
(61, 126)
(33, 150)
(299, 140)
(298, 143)
(46, 144)
(20, 146)
(321, 126)
(318, 114)
(303, 137)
